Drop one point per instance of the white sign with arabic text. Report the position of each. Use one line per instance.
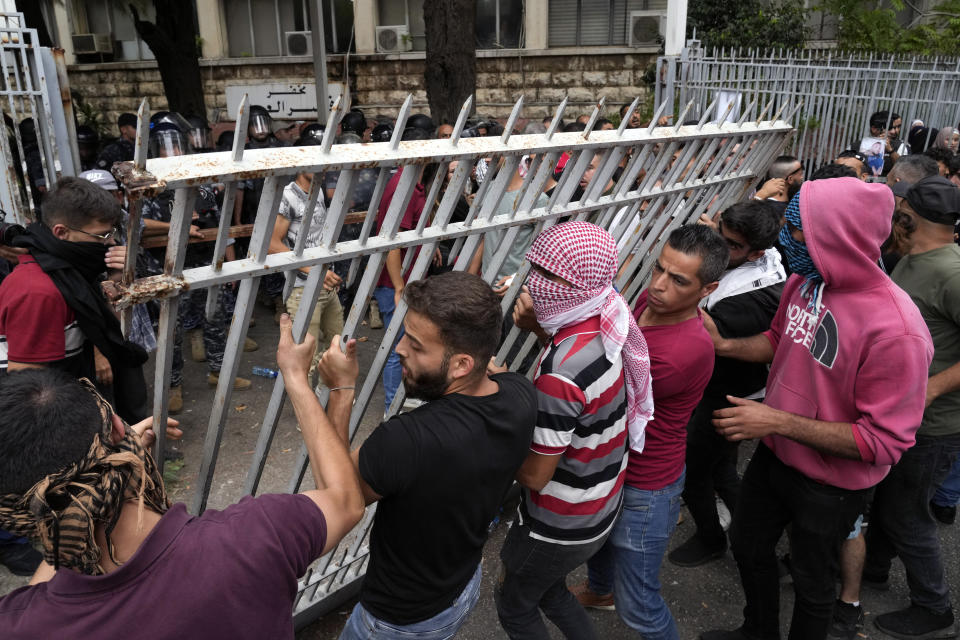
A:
(283, 101)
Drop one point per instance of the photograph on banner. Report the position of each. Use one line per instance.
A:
(873, 149)
(724, 101)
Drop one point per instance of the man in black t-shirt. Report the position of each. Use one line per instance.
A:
(438, 473)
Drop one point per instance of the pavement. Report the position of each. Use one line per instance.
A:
(701, 599)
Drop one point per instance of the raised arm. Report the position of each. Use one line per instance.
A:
(339, 371)
(338, 492)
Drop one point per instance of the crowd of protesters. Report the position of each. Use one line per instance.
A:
(819, 316)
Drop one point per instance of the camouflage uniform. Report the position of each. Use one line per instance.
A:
(193, 304)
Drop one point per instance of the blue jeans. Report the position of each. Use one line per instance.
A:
(948, 495)
(363, 625)
(629, 564)
(392, 371)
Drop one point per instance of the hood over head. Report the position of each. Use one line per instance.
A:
(845, 221)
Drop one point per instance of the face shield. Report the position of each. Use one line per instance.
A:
(260, 125)
(169, 143)
(200, 138)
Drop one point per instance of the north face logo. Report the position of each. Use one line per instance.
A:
(826, 342)
(820, 337)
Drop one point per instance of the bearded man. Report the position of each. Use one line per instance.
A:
(438, 473)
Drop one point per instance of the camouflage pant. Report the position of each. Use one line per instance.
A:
(193, 305)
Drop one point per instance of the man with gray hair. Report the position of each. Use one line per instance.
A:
(911, 169)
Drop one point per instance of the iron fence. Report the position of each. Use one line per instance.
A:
(836, 92)
(33, 85)
(645, 183)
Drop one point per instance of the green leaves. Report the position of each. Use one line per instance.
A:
(934, 32)
(748, 23)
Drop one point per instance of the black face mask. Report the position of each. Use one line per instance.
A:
(86, 257)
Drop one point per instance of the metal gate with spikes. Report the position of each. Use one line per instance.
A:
(645, 183)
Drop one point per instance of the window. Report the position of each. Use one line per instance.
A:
(259, 27)
(404, 12)
(499, 23)
(582, 23)
(109, 24)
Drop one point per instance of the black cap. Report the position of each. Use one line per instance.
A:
(900, 189)
(936, 199)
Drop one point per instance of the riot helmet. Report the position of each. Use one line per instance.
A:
(167, 141)
(313, 131)
(421, 121)
(353, 122)
(381, 133)
(169, 117)
(199, 134)
(260, 125)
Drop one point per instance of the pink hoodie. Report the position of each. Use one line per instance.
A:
(864, 359)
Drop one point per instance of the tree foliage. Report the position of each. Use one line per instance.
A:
(748, 23)
(869, 27)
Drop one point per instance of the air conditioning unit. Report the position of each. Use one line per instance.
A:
(299, 43)
(393, 39)
(92, 43)
(647, 28)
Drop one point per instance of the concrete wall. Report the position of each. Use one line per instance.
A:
(380, 83)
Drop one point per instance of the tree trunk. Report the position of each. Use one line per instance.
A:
(451, 62)
(173, 41)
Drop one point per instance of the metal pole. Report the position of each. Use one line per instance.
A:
(319, 59)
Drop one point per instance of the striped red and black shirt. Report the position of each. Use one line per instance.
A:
(581, 417)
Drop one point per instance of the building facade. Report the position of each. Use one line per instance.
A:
(542, 49)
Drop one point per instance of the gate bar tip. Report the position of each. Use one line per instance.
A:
(143, 135)
(709, 110)
(627, 116)
(683, 114)
(333, 121)
(746, 112)
(401, 122)
(557, 117)
(240, 131)
(512, 120)
(656, 117)
(593, 117)
(461, 120)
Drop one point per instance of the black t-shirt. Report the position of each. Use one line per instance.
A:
(442, 470)
(741, 316)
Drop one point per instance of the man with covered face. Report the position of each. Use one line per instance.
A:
(845, 394)
(593, 395)
(438, 473)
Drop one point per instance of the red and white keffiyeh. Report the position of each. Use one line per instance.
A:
(585, 255)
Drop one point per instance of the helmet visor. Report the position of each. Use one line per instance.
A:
(166, 144)
(200, 139)
(260, 125)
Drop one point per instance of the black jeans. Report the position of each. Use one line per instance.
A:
(711, 468)
(773, 495)
(901, 523)
(533, 578)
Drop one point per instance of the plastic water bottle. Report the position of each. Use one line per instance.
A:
(265, 372)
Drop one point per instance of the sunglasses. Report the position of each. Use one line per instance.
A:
(113, 234)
